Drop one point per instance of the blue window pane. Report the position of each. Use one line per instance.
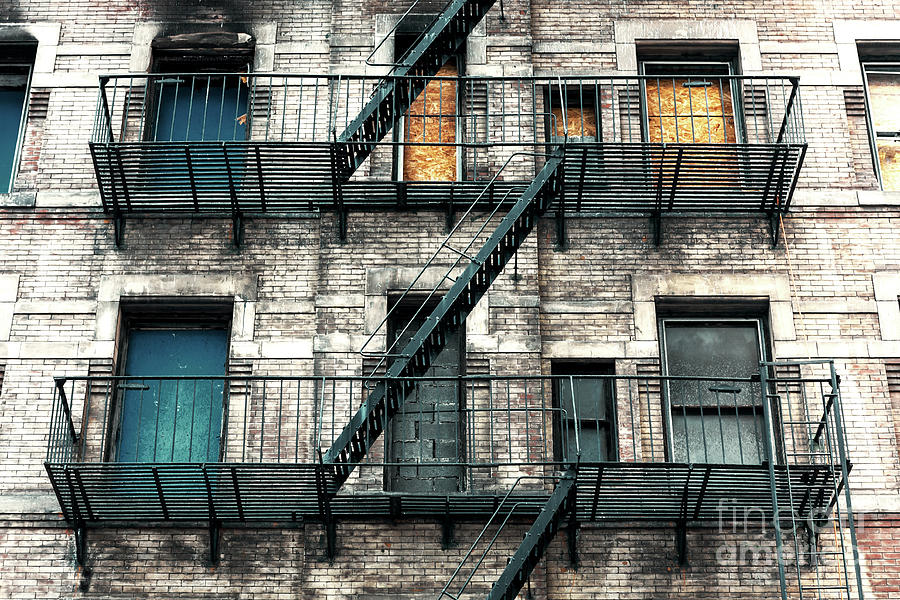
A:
(12, 102)
(173, 420)
(201, 108)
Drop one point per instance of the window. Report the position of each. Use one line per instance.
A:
(432, 118)
(882, 82)
(196, 99)
(15, 74)
(171, 420)
(579, 119)
(713, 421)
(428, 429)
(584, 402)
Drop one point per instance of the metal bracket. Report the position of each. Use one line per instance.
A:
(448, 529)
(572, 538)
(656, 227)
(118, 229)
(775, 227)
(681, 525)
(325, 511)
(562, 239)
(80, 531)
(450, 214)
(215, 532)
(237, 229)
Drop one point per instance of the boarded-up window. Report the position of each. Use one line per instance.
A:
(686, 104)
(577, 118)
(432, 120)
(883, 83)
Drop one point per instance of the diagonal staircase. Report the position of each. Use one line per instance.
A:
(394, 95)
(384, 401)
(390, 100)
(560, 505)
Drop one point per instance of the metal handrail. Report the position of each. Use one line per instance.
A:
(281, 116)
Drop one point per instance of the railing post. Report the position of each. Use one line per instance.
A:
(770, 462)
(60, 386)
(795, 86)
(106, 112)
(842, 454)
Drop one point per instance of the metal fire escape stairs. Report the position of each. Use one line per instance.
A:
(388, 103)
(394, 94)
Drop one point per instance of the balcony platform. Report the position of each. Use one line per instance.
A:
(255, 492)
(255, 178)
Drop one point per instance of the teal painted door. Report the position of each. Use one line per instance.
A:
(166, 420)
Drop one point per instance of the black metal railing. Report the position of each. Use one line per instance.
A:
(461, 111)
(479, 421)
(257, 142)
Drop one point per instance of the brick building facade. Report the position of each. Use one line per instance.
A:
(108, 230)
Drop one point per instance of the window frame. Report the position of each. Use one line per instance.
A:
(405, 307)
(23, 120)
(589, 98)
(700, 62)
(399, 132)
(191, 63)
(870, 122)
(164, 314)
(667, 407)
(561, 369)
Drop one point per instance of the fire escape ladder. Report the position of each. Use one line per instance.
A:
(385, 399)
(529, 554)
(394, 95)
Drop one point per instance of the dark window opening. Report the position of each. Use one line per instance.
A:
(16, 62)
(688, 97)
(584, 403)
(171, 407)
(429, 428)
(200, 94)
(720, 420)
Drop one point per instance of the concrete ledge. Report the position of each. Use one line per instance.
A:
(9, 287)
(847, 33)
(569, 349)
(887, 302)
(292, 349)
(878, 198)
(514, 301)
(341, 301)
(302, 48)
(504, 344)
(773, 288)
(285, 307)
(113, 287)
(74, 198)
(100, 49)
(742, 31)
(843, 306)
(572, 48)
(56, 307)
(28, 504)
(17, 200)
(586, 307)
(338, 342)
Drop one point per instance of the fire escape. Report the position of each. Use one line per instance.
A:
(532, 146)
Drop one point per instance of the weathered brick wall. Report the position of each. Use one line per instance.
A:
(314, 307)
